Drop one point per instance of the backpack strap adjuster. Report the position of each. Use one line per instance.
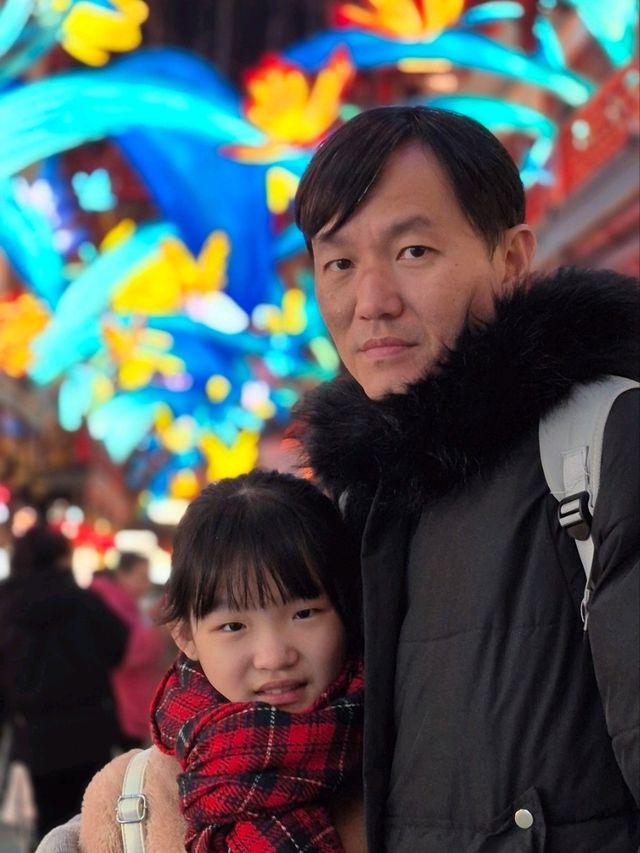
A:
(131, 808)
(575, 517)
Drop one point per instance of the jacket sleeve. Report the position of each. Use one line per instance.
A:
(614, 611)
(62, 839)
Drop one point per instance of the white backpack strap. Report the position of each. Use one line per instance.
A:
(131, 808)
(571, 437)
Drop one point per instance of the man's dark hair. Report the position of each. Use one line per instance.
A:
(257, 538)
(128, 561)
(482, 174)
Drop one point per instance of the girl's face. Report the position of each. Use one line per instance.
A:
(284, 654)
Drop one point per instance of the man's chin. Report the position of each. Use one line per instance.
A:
(378, 390)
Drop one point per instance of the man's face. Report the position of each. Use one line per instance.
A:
(399, 280)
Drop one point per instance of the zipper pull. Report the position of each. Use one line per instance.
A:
(584, 606)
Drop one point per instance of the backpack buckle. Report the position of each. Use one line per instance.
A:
(131, 808)
(575, 517)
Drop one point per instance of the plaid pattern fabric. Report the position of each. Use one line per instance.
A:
(255, 777)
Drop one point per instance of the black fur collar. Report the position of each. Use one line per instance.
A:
(570, 327)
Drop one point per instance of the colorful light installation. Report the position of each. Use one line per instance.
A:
(13, 19)
(290, 109)
(401, 18)
(94, 191)
(21, 320)
(462, 47)
(91, 32)
(613, 24)
(54, 115)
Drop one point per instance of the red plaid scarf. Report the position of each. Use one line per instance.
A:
(255, 777)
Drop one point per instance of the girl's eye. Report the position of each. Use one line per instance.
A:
(307, 613)
(231, 627)
(414, 252)
(339, 265)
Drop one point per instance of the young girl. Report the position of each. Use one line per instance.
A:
(263, 707)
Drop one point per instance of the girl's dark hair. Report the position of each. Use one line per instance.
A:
(257, 538)
(482, 174)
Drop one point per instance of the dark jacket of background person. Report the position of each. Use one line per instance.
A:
(501, 701)
(57, 645)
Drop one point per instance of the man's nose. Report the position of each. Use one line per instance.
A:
(273, 652)
(377, 294)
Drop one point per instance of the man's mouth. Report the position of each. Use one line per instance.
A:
(388, 346)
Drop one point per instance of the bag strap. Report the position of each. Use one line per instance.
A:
(571, 438)
(131, 808)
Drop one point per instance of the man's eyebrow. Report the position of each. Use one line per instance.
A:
(393, 229)
(328, 238)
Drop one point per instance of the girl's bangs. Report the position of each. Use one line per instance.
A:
(253, 571)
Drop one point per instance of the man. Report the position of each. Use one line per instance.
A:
(493, 721)
(136, 678)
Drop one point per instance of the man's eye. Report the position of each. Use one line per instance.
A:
(414, 252)
(231, 627)
(338, 265)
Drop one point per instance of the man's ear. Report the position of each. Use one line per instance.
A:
(183, 638)
(518, 246)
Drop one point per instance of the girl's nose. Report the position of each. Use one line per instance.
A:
(274, 653)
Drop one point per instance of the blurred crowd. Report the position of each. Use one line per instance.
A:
(78, 670)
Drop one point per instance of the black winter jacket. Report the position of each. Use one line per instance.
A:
(486, 702)
(58, 644)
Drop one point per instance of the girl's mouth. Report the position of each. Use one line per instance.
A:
(281, 692)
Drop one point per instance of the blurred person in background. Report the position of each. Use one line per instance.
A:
(136, 677)
(58, 644)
